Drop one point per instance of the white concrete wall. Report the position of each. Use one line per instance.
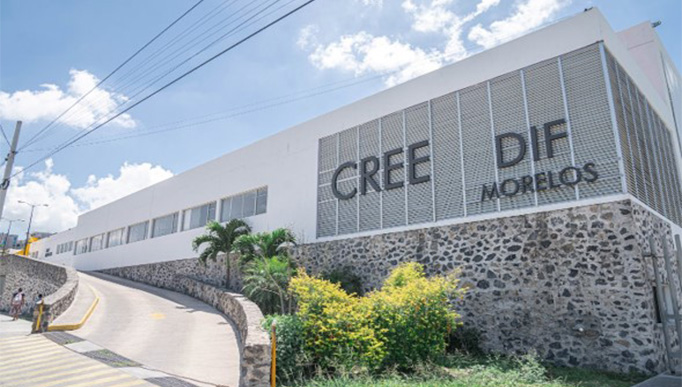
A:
(287, 161)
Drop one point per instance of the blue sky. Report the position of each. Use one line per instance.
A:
(355, 46)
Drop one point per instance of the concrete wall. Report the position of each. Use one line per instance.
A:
(57, 284)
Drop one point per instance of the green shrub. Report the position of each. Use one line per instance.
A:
(336, 324)
(401, 325)
(266, 281)
(292, 364)
(349, 281)
(412, 315)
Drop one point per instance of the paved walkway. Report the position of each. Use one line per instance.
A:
(662, 381)
(36, 361)
(162, 330)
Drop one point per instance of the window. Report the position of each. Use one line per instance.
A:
(261, 200)
(81, 247)
(198, 216)
(115, 238)
(246, 204)
(48, 252)
(165, 225)
(64, 247)
(97, 242)
(138, 232)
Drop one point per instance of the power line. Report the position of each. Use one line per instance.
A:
(240, 42)
(233, 31)
(239, 111)
(4, 135)
(33, 138)
(243, 25)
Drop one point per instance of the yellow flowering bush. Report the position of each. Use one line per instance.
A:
(335, 323)
(412, 314)
(406, 321)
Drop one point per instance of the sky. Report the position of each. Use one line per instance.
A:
(323, 57)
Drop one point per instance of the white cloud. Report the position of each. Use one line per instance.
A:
(48, 102)
(362, 53)
(527, 15)
(132, 177)
(64, 201)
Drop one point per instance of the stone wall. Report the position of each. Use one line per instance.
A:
(570, 284)
(57, 284)
(254, 341)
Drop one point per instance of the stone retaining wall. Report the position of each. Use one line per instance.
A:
(570, 284)
(254, 341)
(57, 284)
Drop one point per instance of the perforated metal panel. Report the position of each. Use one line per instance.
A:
(593, 136)
(419, 196)
(370, 204)
(477, 144)
(393, 201)
(447, 157)
(509, 117)
(460, 128)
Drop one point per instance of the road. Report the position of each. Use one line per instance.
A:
(35, 361)
(162, 330)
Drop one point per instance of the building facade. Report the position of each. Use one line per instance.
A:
(540, 168)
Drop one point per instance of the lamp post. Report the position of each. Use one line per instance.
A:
(30, 220)
(9, 229)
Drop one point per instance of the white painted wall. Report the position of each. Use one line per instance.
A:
(287, 161)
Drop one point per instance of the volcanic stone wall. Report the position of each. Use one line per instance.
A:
(570, 284)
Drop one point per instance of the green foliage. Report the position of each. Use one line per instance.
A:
(481, 371)
(349, 281)
(412, 315)
(220, 239)
(404, 323)
(266, 281)
(335, 324)
(264, 244)
(292, 362)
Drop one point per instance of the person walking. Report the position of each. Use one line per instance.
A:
(18, 299)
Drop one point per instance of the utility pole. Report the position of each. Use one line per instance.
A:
(9, 229)
(4, 186)
(30, 220)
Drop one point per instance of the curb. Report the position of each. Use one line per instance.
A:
(73, 327)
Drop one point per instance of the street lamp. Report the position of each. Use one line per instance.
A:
(9, 229)
(30, 219)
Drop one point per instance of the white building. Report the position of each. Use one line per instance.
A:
(540, 168)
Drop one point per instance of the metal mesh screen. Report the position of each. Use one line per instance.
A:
(447, 157)
(460, 131)
(477, 142)
(419, 196)
(393, 201)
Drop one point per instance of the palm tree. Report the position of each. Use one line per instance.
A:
(266, 281)
(220, 239)
(267, 268)
(264, 244)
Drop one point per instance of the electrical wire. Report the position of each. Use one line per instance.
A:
(195, 68)
(110, 74)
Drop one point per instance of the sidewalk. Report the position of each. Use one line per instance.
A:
(78, 313)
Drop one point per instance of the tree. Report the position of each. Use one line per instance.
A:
(264, 244)
(264, 258)
(220, 239)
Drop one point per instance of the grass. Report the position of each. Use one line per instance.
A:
(484, 371)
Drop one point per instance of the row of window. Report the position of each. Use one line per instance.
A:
(239, 206)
